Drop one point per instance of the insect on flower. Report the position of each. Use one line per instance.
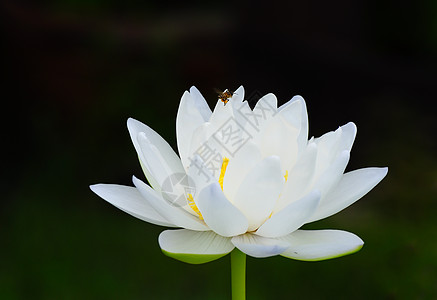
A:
(225, 95)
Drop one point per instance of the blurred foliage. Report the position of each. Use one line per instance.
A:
(76, 70)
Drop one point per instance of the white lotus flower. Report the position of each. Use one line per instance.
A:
(244, 178)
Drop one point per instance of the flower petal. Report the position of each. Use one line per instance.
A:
(292, 112)
(333, 174)
(303, 134)
(200, 103)
(258, 246)
(129, 200)
(194, 247)
(314, 245)
(266, 104)
(160, 164)
(253, 120)
(175, 215)
(199, 138)
(244, 161)
(193, 111)
(299, 178)
(352, 186)
(222, 112)
(219, 214)
(243, 114)
(259, 191)
(279, 135)
(211, 146)
(238, 95)
(167, 154)
(332, 143)
(199, 173)
(291, 217)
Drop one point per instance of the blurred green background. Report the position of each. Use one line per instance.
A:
(76, 70)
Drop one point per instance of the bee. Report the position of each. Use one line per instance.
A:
(225, 95)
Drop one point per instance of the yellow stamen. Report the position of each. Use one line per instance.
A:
(194, 206)
(223, 171)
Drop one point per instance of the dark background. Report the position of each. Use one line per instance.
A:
(74, 71)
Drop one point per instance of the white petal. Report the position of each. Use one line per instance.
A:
(219, 214)
(238, 168)
(348, 134)
(193, 112)
(222, 112)
(291, 217)
(200, 103)
(279, 135)
(258, 246)
(207, 244)
(243, 115)
(212, 145)
(208, 149)
(313, 245)
(167, 173)
(199, 173)
(332, 175)
(303, 134)
(292, 112)
(266, 104)
(259, 191)
(264, 110)
(166, 152)
(238, 95)
(352, 186)
(152, 181)
(333, 143)
(299, 178)
(338, 140)
(175, 215)
(159, 163)
(199, 138)
(129, 200)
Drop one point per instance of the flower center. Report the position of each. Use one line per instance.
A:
(190, 199)
(225, 163)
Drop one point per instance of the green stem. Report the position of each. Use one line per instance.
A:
(238, 274)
